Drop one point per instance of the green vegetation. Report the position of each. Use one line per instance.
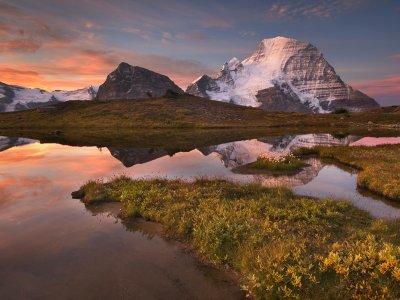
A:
(380, 166)
(185, 111)
(281, 245)
(277, 163)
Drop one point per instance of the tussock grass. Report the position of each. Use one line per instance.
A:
(281, 245)
(277, 163)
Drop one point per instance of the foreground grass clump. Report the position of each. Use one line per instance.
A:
(281, 245)
(277, 163)
(380, 166)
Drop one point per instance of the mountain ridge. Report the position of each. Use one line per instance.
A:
(15, 97)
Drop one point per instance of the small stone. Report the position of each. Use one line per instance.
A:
(58, 132)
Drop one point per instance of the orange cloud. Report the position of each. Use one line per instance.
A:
(66, 55)
(22, 77)
(19, 45)
(90, 67)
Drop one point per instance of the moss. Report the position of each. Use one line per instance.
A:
(283, 246)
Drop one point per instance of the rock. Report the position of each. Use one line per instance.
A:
(133, 82)
(77, 194)
(58, 132)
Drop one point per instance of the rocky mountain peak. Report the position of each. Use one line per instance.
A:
(134, 82)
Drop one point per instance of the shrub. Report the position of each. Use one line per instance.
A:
(340, 111)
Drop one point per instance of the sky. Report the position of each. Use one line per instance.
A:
(57, 44)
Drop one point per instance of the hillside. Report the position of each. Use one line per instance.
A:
(183, 111)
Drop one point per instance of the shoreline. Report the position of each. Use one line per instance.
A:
(225, 223)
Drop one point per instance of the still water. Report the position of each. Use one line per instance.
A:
(53, 247)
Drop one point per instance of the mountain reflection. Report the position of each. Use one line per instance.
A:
(32, 170)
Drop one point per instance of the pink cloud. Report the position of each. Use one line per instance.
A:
(212, 22)
(395, 56)
(385, 87)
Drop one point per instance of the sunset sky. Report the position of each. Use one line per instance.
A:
(54, 44)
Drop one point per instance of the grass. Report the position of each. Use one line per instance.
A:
(281, 245)
(184, 111)
(379, 166)
(277, 163)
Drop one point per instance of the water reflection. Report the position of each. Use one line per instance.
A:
(335, 183)
(133, 156)
(9, 142)
(375, 141)
(50, 246)
(42, 169)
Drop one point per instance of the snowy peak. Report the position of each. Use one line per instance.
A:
(282, 74)
(86, 93)
(275, 51)
(14, 97)
(230, 65)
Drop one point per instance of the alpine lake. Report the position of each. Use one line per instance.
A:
(56, 247)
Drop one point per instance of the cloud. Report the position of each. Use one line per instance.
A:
(245, 33)
(22, 77)
(90, 67)
(168, 37)
(213, 22)
(395, 57)
(22, 33)
(321, 9)
(389, 86)
(19, 45)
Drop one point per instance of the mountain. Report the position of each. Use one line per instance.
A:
(282, 74)
(9, 142)
(289, 143)
(133, 82)
(14, 97)
(133, 156)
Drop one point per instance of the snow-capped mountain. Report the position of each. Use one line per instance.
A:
(282, 74)
(239, 153)
(14, 97)
(9, 142)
